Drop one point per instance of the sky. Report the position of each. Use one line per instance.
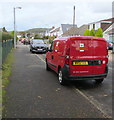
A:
(48, 13)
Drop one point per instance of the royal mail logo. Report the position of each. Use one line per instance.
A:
(81, 45)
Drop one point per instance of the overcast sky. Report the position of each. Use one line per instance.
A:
(48, 13)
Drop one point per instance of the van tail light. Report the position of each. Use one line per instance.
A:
(66, 61)
(67, 57)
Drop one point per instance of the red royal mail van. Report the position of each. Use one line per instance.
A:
(78, 58)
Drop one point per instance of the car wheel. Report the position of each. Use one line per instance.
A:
(61, 78)
(47, 67)
(98, 81)
(30, 50)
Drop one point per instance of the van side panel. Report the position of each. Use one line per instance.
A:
(59, 53)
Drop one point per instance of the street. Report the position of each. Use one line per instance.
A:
(34, 92)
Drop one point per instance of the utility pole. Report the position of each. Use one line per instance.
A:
(74, 16)
(14, 30)
(15, 25)
(112, 24)
(73, 21)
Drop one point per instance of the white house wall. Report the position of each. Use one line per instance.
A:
(91, 26)
(97, 25)
(106, 36)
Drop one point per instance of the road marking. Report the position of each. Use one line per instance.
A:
(41, 58)
(94, 102)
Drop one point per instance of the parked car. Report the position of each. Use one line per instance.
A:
(78, 58)
(23, 40)
(27, 41)
(110, 45)
(20, 39)
(38, 45)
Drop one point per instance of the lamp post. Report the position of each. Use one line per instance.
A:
(15, 26)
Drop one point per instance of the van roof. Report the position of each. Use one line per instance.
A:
(80, 37)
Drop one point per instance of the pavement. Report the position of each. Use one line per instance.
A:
(34, 92)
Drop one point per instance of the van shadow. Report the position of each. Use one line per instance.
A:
(79, 84)
(85, 84)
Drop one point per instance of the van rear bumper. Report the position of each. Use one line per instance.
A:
(82, 77)
(86, 77)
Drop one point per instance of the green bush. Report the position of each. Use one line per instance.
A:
(99, 33)
(87, 32)
(92, 32)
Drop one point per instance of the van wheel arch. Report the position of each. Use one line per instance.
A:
(59, 67)
(61, 76)
(47, 67)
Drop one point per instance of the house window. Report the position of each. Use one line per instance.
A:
(111, 37)
(93, 26)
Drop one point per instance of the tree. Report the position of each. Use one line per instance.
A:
(12, 33)
(87, 32)
(51, 38)
(92, 32)
(37, 36)
(4, 29)
(99, 32)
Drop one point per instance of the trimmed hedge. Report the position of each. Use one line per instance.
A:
(6, 36)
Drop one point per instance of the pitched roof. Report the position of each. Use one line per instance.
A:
(109, 24)
(75, 31)
(110, 19)
(55, 30)
(72, 31)
(82, 29)
(66, 27)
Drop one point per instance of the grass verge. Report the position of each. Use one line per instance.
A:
(6, 72)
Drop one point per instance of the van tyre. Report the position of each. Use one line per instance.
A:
(61, 78)
(98, 81)
(47, 67)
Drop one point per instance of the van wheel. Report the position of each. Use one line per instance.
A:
(47, 67)
(61, 78)
(98, 81)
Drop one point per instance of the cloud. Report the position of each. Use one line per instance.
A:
(46, 14)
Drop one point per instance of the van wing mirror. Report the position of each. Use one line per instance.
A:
(50, 50)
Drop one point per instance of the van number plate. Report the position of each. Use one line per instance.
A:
(80, 63)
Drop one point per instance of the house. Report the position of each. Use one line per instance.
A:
(106, 26)
(58, 31)
(109, 33)
(55, 32)
(75, 31)
(66, 27)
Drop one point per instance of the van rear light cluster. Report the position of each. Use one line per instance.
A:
(104, 62)
(67, 57)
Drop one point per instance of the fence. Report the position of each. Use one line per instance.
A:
(7, 45)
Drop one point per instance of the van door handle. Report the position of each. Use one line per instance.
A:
(52, 56)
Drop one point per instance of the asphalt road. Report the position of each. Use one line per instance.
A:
(36, 93)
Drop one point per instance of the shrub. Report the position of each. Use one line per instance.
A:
(92, 32)
(87, 32)
(99, 33)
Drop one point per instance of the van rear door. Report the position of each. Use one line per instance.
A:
(88, 56)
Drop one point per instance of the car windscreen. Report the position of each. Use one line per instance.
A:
(38, 42)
